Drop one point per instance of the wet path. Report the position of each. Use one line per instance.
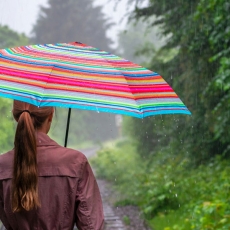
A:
(112, 221)
(114, 216)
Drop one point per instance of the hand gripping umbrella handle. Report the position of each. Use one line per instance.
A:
(67, 127)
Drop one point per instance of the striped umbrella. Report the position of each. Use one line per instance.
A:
(75, 75)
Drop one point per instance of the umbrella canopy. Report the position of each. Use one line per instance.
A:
(75, 75)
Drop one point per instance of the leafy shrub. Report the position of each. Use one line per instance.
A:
(167, 190)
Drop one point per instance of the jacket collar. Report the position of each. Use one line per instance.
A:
(44, 140)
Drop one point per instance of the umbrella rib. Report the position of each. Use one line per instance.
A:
(45, 87)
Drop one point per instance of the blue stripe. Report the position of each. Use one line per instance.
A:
(96, 106)
(58, 66)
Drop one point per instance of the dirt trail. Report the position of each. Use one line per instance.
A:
(122, 218)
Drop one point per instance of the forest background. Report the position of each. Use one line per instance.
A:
(178, 165)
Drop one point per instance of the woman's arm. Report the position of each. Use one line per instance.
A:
(3, 217)
(89, 210)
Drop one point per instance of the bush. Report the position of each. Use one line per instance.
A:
(170, 194)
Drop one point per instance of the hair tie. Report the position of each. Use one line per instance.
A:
(26, 111)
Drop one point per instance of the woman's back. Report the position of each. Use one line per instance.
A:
(68, 192)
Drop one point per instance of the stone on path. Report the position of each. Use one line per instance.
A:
(111, 220)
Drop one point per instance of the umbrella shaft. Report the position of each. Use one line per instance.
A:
(67, 127)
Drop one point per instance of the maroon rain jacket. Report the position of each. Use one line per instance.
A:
(68, 191)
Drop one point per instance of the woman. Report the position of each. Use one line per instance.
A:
(42, 184)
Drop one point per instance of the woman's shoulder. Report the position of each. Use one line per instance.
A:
(6, 157)
(61, 161)
(57, 155)
(6, 164)
(73, 154)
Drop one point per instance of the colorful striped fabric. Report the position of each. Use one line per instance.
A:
(75, 75)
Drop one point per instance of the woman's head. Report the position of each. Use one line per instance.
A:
(25, 177)
(38, 115)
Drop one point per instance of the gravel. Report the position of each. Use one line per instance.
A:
(129, 215)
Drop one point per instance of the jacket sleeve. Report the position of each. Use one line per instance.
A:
(3, 217)
(89, 210)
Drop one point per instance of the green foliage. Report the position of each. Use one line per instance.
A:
(118, 159)
(170, 193)
(211, 215)
(70, 20)
(7, 125)
(138, 39)
(199, 72)
(9, 38)
(126, 220)
(86, 127)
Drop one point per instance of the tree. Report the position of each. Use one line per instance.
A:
(199, 73)
(75, 20)
(8, 38)
(139, 38)
(72, 20)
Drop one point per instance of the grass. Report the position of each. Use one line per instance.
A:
(126, 220)
(170, 193)
(172, 220)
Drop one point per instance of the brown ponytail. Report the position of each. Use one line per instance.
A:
(25, 173)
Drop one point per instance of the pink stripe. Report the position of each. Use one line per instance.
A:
(54, 56)
(88, 84)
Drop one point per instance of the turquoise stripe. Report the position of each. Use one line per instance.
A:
(94, 108)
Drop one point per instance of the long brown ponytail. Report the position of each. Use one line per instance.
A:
(24, 192)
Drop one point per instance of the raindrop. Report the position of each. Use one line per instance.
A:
(175, 195)
(115, 179)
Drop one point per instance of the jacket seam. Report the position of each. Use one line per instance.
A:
(65, 206)
(89, 222)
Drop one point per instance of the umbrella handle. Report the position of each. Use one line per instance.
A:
(67, 127)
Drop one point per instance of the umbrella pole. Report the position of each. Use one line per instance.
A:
(67, 127)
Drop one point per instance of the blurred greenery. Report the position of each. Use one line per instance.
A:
(173, 167)
(7, 125)
(169, 192)
(71, 20)
(8, 38)
(195, 62)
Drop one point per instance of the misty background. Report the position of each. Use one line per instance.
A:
(174, 168)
